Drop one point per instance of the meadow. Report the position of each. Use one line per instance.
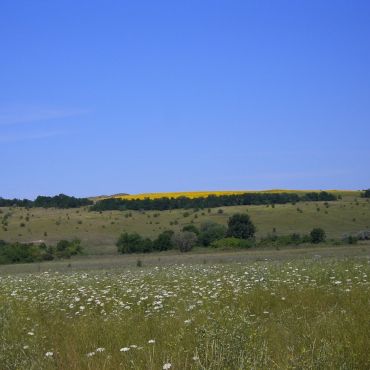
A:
(100, 231)
(263, 308)
(305, 314)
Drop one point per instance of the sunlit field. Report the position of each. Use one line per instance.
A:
(263, 315)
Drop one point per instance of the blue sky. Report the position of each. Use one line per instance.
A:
(101, 97)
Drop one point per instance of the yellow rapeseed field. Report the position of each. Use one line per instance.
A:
(188, 194)
(198, 194)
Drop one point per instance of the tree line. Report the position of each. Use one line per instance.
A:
(57, 201)
(209, 201)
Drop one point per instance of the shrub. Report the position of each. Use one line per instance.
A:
(317, 235)
(20, 253)
(184, 240)
(211, 231)
(66, 249)
(191, 228)
(240, 226)
(133, 243)
(164, 242)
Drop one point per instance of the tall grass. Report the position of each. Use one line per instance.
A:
(311, 315)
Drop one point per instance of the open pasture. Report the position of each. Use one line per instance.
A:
(261, 315)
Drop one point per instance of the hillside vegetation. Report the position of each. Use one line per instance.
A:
(99, 232)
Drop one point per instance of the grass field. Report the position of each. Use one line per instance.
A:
(99, 231)
(300, 307)
(303, 314)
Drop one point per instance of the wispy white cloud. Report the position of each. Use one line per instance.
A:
(17, 114)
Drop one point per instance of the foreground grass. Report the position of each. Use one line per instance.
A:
(264, 315)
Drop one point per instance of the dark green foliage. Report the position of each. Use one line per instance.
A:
(23, 253)
(209, 201)
(66, 249)
(211, 231)
(58, 201)
(317, 235)
(61, 201)
(366, 193)
(134, 243)
(240, 226)
(164, 242)
(191, 228)
(15, 202)
(184, 240)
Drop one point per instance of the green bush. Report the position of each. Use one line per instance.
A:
(317, 235)
(164, 242)
(211, 231)
(133, 243)
(66, 249)
(191, 228)
(241, 226)
(21, 253)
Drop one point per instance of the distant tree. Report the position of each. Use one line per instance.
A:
(133, 243)
(164, 241)
(184, 240)
(317, 235)
(211, 231)
(240, 226)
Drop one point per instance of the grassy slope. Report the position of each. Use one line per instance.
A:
(100, 231)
